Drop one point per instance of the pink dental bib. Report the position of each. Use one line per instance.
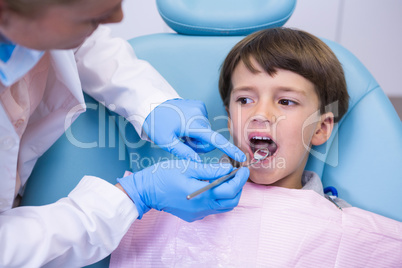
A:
(271, 227)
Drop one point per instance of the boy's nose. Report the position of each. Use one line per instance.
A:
(264, 113)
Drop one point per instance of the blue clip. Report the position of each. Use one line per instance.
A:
(331, 189)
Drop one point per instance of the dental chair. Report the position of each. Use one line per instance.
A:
(362, 159)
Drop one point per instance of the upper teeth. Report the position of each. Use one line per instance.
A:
(260, 138)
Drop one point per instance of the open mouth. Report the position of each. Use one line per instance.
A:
(258, 142)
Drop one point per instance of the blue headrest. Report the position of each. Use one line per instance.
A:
(224, 17)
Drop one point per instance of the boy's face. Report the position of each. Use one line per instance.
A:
(60, 26)
(280, 109)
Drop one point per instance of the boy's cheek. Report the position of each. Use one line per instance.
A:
(235, 133)
(237, 130)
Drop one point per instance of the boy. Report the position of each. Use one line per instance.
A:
(282, 86)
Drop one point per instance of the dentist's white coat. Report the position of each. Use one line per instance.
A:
(88, 224)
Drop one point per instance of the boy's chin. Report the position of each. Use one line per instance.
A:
(260, 176)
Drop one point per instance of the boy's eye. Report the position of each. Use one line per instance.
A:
(243, 100)
(287, 102)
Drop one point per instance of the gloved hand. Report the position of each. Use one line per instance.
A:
(186, 119)
(166, 185)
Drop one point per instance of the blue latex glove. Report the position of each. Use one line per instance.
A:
(166, 185)
(176, 120)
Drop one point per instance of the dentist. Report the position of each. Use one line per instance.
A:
(51, 50)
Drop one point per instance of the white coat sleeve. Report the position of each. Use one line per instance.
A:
(111, 73)
(75, 231)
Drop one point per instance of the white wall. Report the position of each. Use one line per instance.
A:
(371, 29)
(140, 18)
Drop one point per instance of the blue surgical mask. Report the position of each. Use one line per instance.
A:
(16, 61)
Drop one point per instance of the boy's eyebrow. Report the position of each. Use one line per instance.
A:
(282, 89)
(245, 88)
(295, 90)
(242, 88)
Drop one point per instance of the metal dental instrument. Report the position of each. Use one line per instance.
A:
(257, 156)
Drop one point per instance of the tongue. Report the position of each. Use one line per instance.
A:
(258, 144)
(272, 148)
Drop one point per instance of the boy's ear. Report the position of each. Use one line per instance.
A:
(324, 129)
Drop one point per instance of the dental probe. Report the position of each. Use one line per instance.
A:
(257, 156)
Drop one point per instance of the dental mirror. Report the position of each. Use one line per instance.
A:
(259, 155)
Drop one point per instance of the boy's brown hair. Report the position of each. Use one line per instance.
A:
(292, 50)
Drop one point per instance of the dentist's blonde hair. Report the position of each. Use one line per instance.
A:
(33, 8)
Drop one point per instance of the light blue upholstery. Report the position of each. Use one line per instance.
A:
(224, 17)
(363, 158)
